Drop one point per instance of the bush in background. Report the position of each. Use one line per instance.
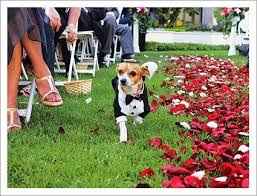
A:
(155, 46)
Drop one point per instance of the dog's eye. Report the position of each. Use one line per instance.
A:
(133, 73)
(120, 72)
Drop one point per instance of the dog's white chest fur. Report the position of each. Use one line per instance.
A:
(134, 108)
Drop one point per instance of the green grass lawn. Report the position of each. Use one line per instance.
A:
(88, 153)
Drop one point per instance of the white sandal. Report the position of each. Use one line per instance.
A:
(53, 90)
(13, 120)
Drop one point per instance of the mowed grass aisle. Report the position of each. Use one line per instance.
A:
(76, 145)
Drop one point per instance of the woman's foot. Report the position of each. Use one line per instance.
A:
(48, 92)
(13, 119)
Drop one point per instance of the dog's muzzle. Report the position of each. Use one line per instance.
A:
(123, 81)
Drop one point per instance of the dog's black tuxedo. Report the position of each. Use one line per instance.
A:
(127, 105)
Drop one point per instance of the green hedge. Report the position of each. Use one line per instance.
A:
(155, 46)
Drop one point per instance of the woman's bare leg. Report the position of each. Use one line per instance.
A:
(34, 51)
(14, 72)
(40, 68)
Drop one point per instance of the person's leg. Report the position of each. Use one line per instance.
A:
(34, 51)
(126, 40)
(40, 69)
(14, 71)
(48, 49)
(62, 43)
(109, 29)
(65, 54)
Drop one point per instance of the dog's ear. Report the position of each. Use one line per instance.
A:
(149, 68)
(145, 70)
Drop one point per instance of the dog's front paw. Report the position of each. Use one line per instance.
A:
(138, 120)
(123, 132)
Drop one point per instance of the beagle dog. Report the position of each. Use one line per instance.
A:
(131, 97)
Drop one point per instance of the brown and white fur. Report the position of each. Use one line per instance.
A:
(131, 94)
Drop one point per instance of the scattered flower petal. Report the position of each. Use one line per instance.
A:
(154, 105)
(147, 172)
(203, 94)
(221, 179)
(184, 125)
(174, 182)
(185, 103)
(212, 124)
(88, 100)
(243, 133)
(178, 109)
(155, 142)
(204, 88)
(237, 156)
(180, 92)
(210, 110)
(193, 182)
(199, 174)
(171, 170)
(191, 94)
(245, 183)
(243, 148)
(220, 182)
(188, 66)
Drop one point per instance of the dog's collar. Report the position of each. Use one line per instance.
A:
(139, 91)
(137, 96)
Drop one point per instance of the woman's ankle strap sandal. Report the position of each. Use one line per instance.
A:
(45, 95)
(13, 120)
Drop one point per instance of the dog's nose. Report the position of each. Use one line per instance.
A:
(123, 81)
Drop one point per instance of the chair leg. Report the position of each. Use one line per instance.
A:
(30, 103)
(72, 63)
(24, 72)
(115, 49)
(96, 57)
(108, 58)
(95, 66)
(83, 51)
(57, 62)
(75, 71)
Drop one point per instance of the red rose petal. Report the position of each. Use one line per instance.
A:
(154, 105)
(209, 165)
(173, 170)
(147, 172)
(190, 164)
(217, 184)
(245, 158)
(213, 116)
(178, 109)
(174, 182)
(245, 183)
(193, 182)
(169, 154)
(227, 169)
(155, 142)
